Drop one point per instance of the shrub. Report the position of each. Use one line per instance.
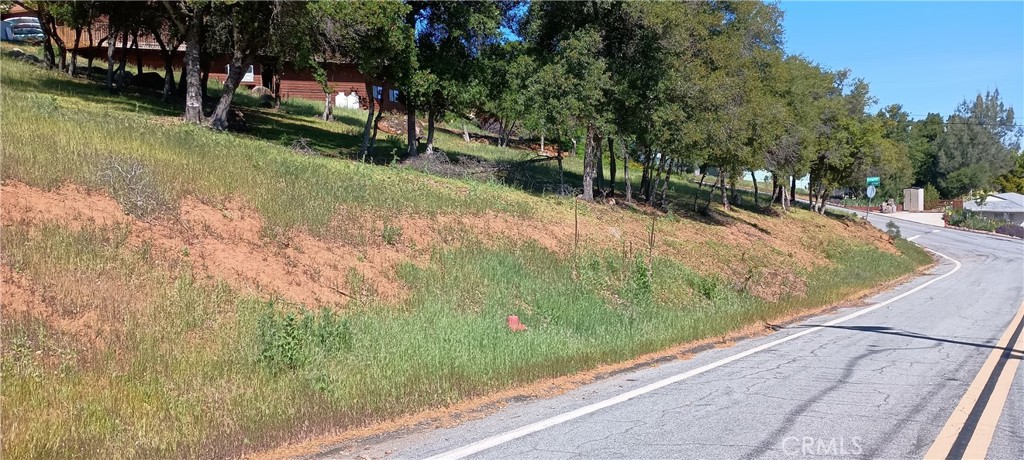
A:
(931, 197)
(292, 340)
(1011, 230)
(968, 219)
(893, 230)
(132, 186)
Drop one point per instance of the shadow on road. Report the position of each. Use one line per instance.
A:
(890, 331)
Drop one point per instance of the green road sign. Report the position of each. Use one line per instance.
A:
(874, 181)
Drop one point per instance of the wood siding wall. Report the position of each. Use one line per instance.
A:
(344, 78)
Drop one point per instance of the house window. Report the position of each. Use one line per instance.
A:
(393, 95)
(377, 92)
(249, 77)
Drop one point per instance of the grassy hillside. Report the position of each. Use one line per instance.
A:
(175, 292)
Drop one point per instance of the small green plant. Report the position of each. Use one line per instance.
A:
(289, 340)
(707, 287)
(893, 230)
(391, 233)
(640, 287)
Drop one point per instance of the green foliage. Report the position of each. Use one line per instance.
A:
(707, 287)
(391, 233)
(931, 196)
(1013, 180)
(289, 340)
(508, 79)
(893, 230)
(371, 33)
(967, 219)
(978, 145)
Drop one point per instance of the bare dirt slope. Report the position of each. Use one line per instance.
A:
(226, 243)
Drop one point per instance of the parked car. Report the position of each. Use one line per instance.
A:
(6, 32)
(23, 30)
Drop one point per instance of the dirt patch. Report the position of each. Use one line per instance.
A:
(762, 254)
(225, 243)
(18, 296)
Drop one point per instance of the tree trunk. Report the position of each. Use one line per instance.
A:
(413, 144)
(123, 61)
(183, 80)
(644, 174)
(73, 64)
(757, 200)
(365, 148)
(61, 47)
(611, 166)
(542, 145)
(700, 185)
(45, 23)
(810, 194)
(276, 84)
(776, 192)
(711, 193)
(430, 131)
(376, 124)
(88, 71)
(219, 118)
(627, 186)
(328, 114)
(652, 196)
(792, 187)
(111, 43)
(561, 172)
(501, 132)
(599, 159)
(168, 56)
(138, 54)
(589, 166)
(204, 78)
(168, 78)
(48, 55)
(663, 202)
(193, 93)
(785, 198)
(725, 195)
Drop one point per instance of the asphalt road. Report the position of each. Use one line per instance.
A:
(929, 368)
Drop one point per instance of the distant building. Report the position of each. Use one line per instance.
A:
(766, 176)
(1007, 207)
(343, 78)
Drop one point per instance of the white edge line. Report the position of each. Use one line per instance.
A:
(502, 438)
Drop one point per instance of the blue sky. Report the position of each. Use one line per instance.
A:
(927, 56)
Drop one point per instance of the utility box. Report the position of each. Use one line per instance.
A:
(913, 199)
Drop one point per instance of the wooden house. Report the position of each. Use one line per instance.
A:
(343, 78)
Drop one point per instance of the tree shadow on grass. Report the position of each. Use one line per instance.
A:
(131, 100)
(286, 130)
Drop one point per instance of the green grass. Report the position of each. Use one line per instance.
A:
(132, 357)
(58, 130)
(266, 368)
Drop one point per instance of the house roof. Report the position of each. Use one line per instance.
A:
(1000, 202)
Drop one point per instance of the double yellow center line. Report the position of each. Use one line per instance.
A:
(969, 430)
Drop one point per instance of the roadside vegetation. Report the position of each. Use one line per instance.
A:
(141, 317)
